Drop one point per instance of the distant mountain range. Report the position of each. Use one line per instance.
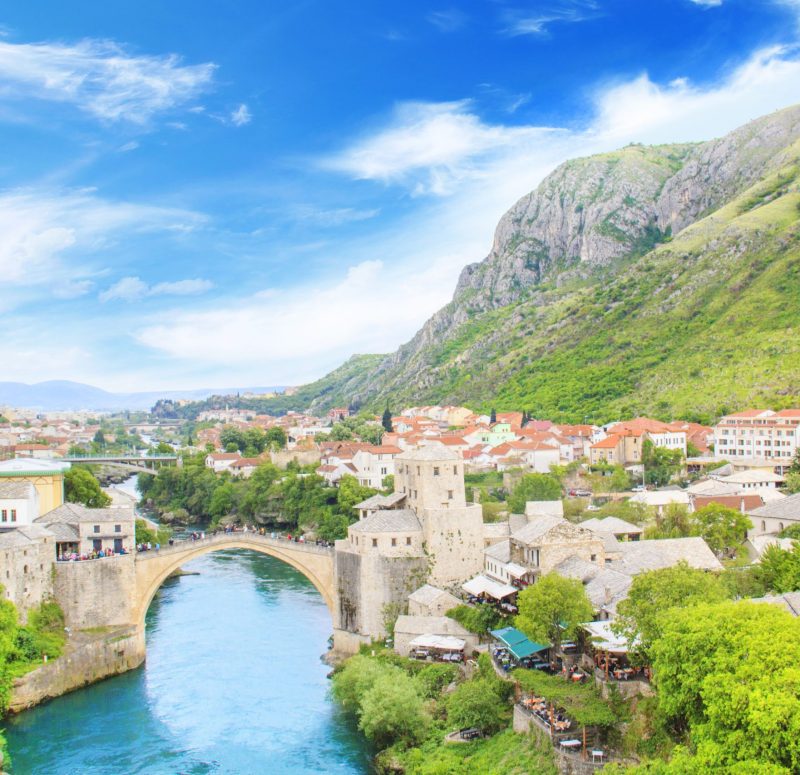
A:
(55, 395)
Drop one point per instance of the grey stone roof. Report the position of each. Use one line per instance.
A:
(15, 489)
(611, 525)
(388, 521)
(539, 528)
(23, 536)
(786, 509)
(608, 588)
(790, 601)
(429, 595)
(498, 530)
(516, 521)
(430, 453)
(379, 501)
(73, 513)
(577, 568)
(64, 531)
(428, 625)
(641, 556)
(500, 551)
(714, 487)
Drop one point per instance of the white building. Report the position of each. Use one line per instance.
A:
(759, 437)
(221, 461)
(374, 464)
(19, 503)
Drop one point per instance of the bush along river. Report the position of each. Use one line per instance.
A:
(233, 684)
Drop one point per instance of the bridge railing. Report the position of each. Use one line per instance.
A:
(227, 538)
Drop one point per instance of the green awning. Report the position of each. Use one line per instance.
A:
(517, 642)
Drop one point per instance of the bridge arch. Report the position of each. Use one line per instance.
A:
(153, 568)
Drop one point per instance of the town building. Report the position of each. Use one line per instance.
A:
(82, 531)
(774, 517)
(19, 503)
(759, 437)
(47, 476)
(27, 557)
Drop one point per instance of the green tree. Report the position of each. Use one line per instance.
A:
(392, 710)
(476, 618)
(792, 482)
(386, 420)
(721, 528)
(779, 569)
(660, 464)
(233, 438)
(729, 673)
(99, 438)
(276, 438)
(340, 432)
(223, 501)
(654, 595)
(534, 487)
(552, 608)
(80, 486)
(672, 522)
(476, 704)
(358, 675)
(349, 493)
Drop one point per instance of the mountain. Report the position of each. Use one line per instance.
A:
(57, 395)
(661, 280)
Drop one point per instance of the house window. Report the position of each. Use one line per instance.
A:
(418, 471)
(117, 528)
(394, 542)
(408, 540)
(594, 558)
(436, 470)
(13, 515)
(5, 515)
(450, 495)
(374, 541)
(97, 528)
(455, 470)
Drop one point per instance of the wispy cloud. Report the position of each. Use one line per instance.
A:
(707, 3)
(448, 20)
(100, 78)
(518, 22)
(241, 115)
(431, 144)
(133, 289)
(42, 229)
(331, 217)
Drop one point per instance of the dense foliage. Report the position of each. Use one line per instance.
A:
(533, 487)
(552, 608)
(81, 486)
(286, 500)
(476, 618)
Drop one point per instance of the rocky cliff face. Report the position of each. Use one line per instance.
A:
(586, 224)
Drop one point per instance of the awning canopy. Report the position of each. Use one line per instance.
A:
(604, 639)
(445, 642)
(481, 585)
(516, 571)
(518, 643)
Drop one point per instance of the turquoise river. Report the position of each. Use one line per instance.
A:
(233, 685)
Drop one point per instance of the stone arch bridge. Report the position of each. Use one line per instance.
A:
(152, 568)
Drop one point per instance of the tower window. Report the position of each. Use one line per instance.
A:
(408, 540)
(374, 541)
(394, 542)
(436, 470)
(450, 495)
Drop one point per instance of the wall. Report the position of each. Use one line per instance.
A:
(305, 457)
(454, 539)
(85, 661)
(97, 592)
(50, 488)
(26, 572)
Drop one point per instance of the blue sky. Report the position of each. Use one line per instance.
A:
(219, 193)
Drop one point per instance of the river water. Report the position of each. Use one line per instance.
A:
(233, 684)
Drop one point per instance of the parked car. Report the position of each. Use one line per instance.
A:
(583, 493)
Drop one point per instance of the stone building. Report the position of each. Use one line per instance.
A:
(426, 532)
(81, 530)
(27, 556)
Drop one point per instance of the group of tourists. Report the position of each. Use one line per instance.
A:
(93, 555)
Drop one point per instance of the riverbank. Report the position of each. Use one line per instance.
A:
(88, 657)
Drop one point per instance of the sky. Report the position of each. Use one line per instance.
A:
(247, 193)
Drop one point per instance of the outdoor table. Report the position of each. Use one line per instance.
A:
(570, 743)
(597, 755)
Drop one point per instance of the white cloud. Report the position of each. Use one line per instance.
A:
(44, 231)
(449, 20)
(518, 22)
(100, 78)
(133, 289)
(440, 140)
(131, 146)
(331, 217)
(297, 333)
(707, 3)
(241, 116)
(73, 289)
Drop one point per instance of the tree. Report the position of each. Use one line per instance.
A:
(672, 522)
(779, 570)
(349, 493)
(99, 438)
(340, 432)
(80, 486)
(653, 596)
(476, 704)
(553, 608)
(493, 417)
(792, 482)
(660, 464)
(276, 438)
(534, 487)
(721, 527)
(386, 420)
(392, 710)
(232, 438)
(223, 501)
(353, 681)
(729, 673)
